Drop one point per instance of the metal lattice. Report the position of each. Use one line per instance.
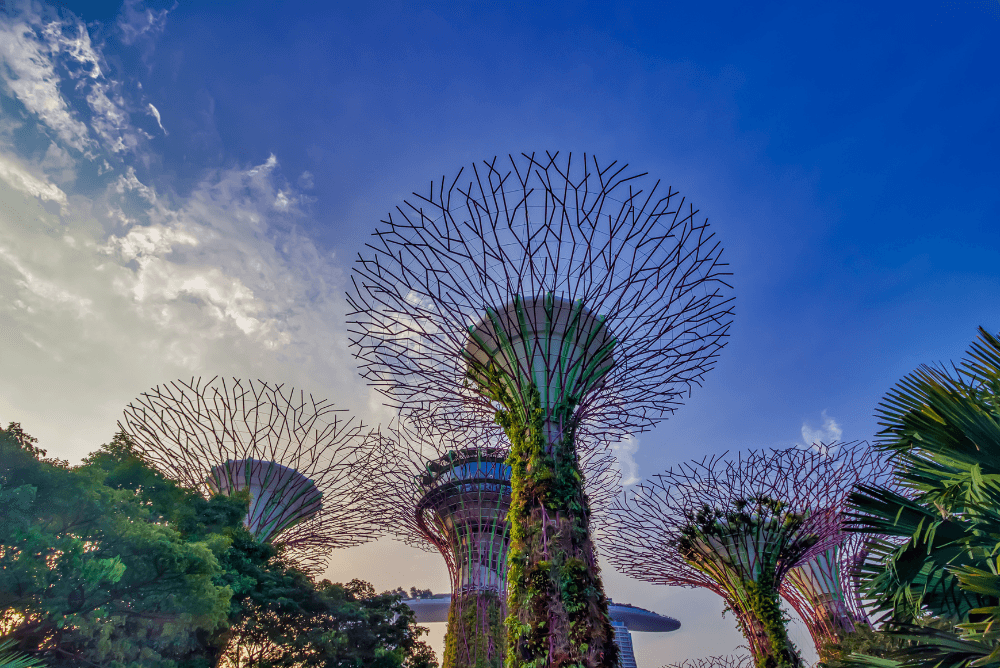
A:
(567, 296)
(309, 471)
(720, 524)
(724, 661)
(825, 591)
(592, 285)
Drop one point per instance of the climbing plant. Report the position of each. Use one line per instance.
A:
(741, 549)
(475, 637)
(552, 573)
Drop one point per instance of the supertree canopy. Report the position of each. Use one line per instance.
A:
(824, 591)
(736, 527)
(452, 495)
(546, 294)
(307, 469)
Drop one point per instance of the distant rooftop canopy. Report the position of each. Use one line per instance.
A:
(435, 609)
(467, 464)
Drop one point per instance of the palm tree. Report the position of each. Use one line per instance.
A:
(11, 659)
(932, 574)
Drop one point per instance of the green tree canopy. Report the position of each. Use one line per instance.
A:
(110, 564)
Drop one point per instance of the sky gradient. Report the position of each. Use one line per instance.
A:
(184, 188)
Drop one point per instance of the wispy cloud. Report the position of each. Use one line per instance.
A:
(828, 432)
(20, 179)
(155, 113)
(124, 286)
(50, 65)
(137, 21)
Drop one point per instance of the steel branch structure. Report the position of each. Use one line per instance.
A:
(579, 280)
(308, 470)
(724, 661)
(824, 591)
(450, 494)
(736, 527)
(548, 294)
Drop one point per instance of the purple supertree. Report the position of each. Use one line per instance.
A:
(453, 495)
(736, 527)
(307, 469)
(824, 591)
(546, 294)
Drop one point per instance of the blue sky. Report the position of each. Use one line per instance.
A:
(185, 187)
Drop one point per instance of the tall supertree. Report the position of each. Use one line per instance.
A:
(824, 591)
(736, 527)
(308, 469)
(452, 495)
(546, 294)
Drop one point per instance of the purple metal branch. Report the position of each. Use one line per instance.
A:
(251, 434)
(630, 252)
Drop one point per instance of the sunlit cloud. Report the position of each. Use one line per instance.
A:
(52, 68)
(20, 179)
(107, 291)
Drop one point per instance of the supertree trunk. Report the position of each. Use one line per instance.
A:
(475, 636)
(763, 624)
(559, 613)
(453, 495)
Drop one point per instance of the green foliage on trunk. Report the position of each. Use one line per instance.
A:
(765, 609)
(557, 610)
(476, 636)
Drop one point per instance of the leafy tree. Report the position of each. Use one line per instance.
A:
(933, 575)
(110, 564)
(282, 618)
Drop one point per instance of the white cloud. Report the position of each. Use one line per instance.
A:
(131, 288)
(45, 292)
(30, 74)
(58, 164)
(827, 433)
(624, 451)
(20, 179)
(44, 60)
(155, 113)
(281, 201)
(136, 21)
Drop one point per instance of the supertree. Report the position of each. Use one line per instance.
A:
(452, 495)
(307, 469)
(736, 527)
(824, 591)
(724, 661)
(544, 294)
